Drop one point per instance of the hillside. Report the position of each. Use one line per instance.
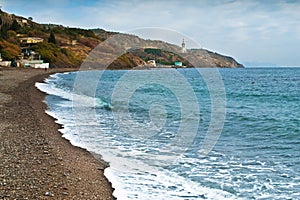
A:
(69, 47)
(165, 54)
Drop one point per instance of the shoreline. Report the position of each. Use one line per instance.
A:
(36, 161)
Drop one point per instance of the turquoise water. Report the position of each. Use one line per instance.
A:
(257, 155)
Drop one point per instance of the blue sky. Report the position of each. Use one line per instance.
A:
(266, 31)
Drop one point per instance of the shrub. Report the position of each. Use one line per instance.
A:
(8, 50)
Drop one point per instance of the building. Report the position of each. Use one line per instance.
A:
(22, 21)
(35, 64)
(5, 63)
(151, 63)
(178, 64)
(183, 49)
(31, 40)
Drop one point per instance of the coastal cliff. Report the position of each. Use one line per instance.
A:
(22, 38)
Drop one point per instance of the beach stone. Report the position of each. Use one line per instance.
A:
(49, 194)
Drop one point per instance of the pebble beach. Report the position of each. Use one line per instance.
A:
(36, 162)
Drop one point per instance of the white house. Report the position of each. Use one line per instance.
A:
(151, 63)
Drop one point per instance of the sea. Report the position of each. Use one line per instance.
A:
(186, 133)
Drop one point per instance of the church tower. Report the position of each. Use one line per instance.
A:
(183, 49)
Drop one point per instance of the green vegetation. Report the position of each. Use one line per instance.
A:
(12, 37)
(8, 50)
(156, 52)
(48, 51)
(125, 59)
(3, 31)
(51, 38)
(15, 26)
(81, 32)
(55, 55)
(164, 62)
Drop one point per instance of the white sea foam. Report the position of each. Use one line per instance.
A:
(52, 90)
(78, 99)
(162, 184)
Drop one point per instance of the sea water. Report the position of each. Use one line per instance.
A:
(131, 117)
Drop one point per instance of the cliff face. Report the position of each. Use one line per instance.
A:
(212, 59)
(71, 46)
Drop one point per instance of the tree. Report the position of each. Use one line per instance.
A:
(3, 31)
(51, 38)
(15, 26)
(12, 37)
(30, 18)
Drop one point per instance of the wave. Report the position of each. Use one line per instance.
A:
(159, 184)
(78, 100)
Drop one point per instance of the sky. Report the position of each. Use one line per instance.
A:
(261, 32)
